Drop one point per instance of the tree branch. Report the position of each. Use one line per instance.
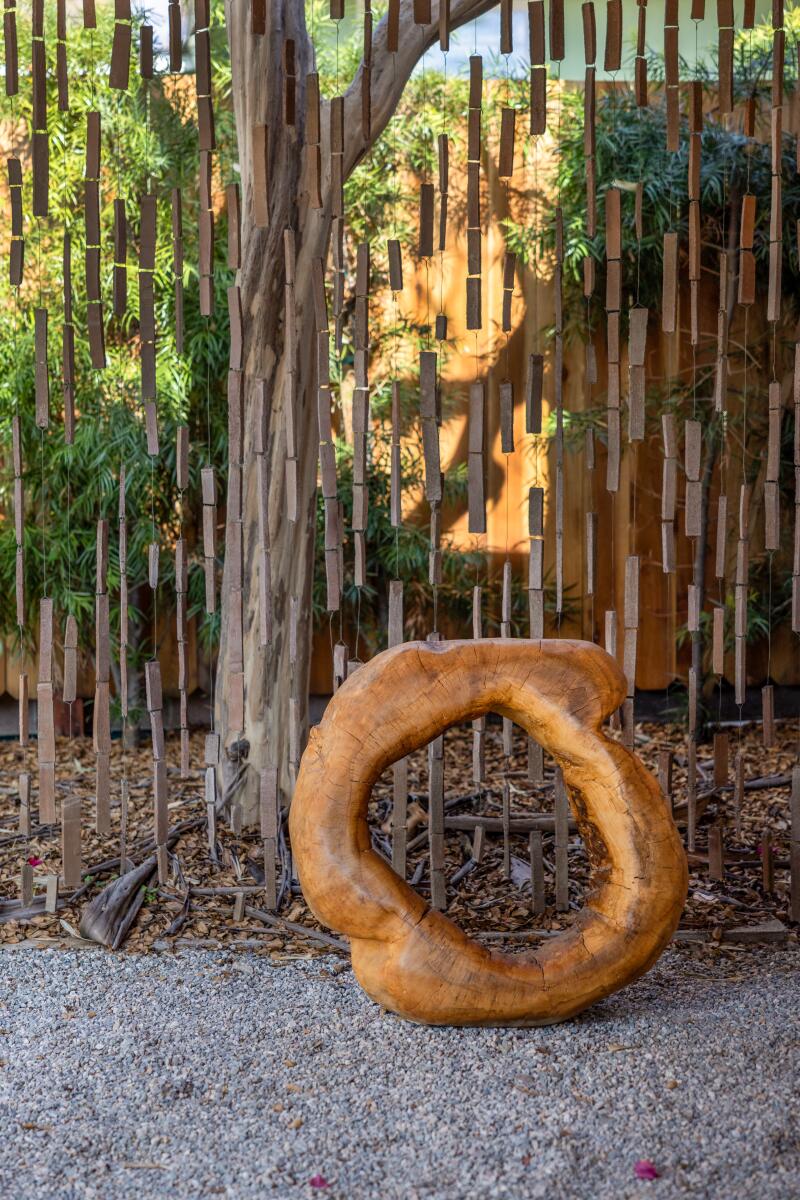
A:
(391, 72)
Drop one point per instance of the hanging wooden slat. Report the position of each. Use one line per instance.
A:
(589, 148)
(476, 468)
(637, 347)
(269, 822)
(613, 53)
(182, 639)
(612, 307)
(123, 593)
(69, 690)
(721, 372)
(400, 768)
(313, 148)
(768, 715)
(289, 83)
(538, 81)
(776, 157)
(558, 385)
(327, 452)
(336, 143)
(474, 286)
(295, 720)
(695, 147)
(721, 759)
(361, 413)
(102, 699)
(119, 71)
(41, 376)
(26, 885)
(509, 274)
(290, 382)
(794, 847)
(693, 450)
(212, 759)
(233, 209)
(16, 257)
(771, 488)
(366, 75)
(177, 264)
(202, 52)
(436, 823)
(40, 141)
(796, 463)
(671, 74)
(591, 553)
(233, 605)
(443, 146)
(505, 165)
(725, 21)
(506, 26)
(120, 259)
(428, 361)
(426, 199)
(479, 723)
(557, 30)
(665, 764)
(396, 481)
(146, 52)
(640, 60)
(62, 69)
(11, 48)
(206, 233)
(261, 447)
(147, 297)
(716, 853)
(94, 310)
(561, 849)
(767, 863)
(631, 627)
(669, 290)
(505, 631)
(533, 394)
(536, 564)
(740, 596)
(175, 35)
(46, 740)
(152, 675)
(536, 853)
(718, 641)
(208, 489)
(23, 708)
(68, 344)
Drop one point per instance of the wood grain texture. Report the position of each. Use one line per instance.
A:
(415, 961)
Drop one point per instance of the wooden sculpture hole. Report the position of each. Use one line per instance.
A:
(416, 961)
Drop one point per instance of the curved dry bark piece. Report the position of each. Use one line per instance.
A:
(417, 962)
(108, 918)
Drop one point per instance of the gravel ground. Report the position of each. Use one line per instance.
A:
(222, 1074)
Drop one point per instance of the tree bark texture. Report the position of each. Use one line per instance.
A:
(257, 97)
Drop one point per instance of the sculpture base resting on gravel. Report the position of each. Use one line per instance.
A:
(414, 960)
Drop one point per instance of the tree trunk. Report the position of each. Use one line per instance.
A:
(257, 74)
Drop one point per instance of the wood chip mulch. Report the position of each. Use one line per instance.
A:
(484, 902)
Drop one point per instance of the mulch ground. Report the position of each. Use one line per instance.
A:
(484, 903)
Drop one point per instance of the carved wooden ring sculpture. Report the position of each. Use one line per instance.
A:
(414, 960)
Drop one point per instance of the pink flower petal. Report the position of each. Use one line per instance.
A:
(644, 1169)
(33, 861)
(318, 1181)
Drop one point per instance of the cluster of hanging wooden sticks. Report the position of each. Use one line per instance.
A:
(732, 265)
(119, 79)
